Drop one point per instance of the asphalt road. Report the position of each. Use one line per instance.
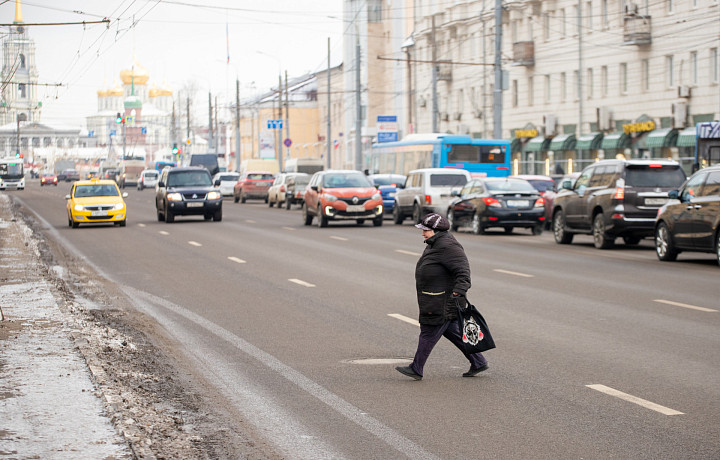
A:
(601, 354)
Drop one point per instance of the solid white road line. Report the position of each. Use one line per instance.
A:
(300, 282)
(288, 228)
(163, 232)
(194, 243)
(634, 399)
(404, 318)
(410, 253)
(235, 259)
(250, 221)
(507, 272)
(141, 225)
(339, 238)
(684, 305)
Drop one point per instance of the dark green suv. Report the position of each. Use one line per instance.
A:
(614, 199)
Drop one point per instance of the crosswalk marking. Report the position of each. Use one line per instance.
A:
(634, 399)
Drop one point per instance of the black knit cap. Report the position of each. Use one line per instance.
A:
(434, 222)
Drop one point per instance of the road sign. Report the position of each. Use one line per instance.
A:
(387, 127)
(143, 130)
(113, 132)
(287, 142)
(274, 124)
(91, 133)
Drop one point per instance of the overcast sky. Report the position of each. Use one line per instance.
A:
(177, 41)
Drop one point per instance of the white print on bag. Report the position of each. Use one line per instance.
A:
(471, 332)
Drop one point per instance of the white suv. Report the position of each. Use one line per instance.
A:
(427, 191)
(148, 179)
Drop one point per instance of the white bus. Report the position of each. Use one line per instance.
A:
(304, 165)
(12, 174)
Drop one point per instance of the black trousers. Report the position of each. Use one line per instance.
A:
(430, 336)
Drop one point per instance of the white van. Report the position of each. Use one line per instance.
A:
(260, 164)
(427, 191)
(304, 165)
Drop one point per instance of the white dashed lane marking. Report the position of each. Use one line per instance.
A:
(339, 238)
(288, 228)
(635, 400)
(410, 253)
(301, 282)
(250, 221)
(163, 232)
(684, 305)
(194, 243)
(507, 272)
(235, 259)
(141, 225)
(404, 318)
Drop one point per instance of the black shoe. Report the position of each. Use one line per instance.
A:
(476, 370)
(407, 370)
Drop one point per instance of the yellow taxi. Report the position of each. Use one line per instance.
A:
(96, 201)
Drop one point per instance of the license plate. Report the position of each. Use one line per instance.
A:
(99, 213)
(656, 201)
(518, 203)
(355, 208)
(195, 204)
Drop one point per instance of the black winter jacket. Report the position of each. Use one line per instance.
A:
(442, 269)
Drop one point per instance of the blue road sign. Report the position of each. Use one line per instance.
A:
(113, 132)
(91, 133)
(274, 124)
(143, 130)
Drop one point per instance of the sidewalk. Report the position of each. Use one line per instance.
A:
(49, 405)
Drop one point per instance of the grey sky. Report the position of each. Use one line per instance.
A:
(176, 41)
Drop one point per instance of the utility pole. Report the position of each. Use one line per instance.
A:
(238, 144)
(580, 72)
(218, 137)
(497, 92)
(210, 123)
(187, 130)
(329, 106)
(287, 113)
(279, 130)
(435, 127)
(484, 90)
(358, 107)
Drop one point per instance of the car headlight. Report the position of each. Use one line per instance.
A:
(118, 206)
(377, 196)
(79, 207)
(174, 197)
(213, 196)
(329, 197)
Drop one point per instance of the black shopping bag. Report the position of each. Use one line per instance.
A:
(474, 329)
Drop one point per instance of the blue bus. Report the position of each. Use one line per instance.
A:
(707, 144)
(160, 165)
(482, 157)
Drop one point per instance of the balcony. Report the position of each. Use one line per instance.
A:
(637, 30)
(444, 71)
(524, 54)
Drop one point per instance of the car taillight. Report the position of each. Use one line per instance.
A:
(428, 199)
(540, 203)
(282, 189)
(655, 166)
(492, 202)
(620, 193)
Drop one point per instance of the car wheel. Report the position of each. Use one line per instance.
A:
(600, 238)
(267, 199)
(562, 236)
(140, 187)
(322, 220)
(242, 197)
(508, 230)
(160, 216)
(217, 217)
(631, 240)
(169, 217)
(416, 214)
(69, 222)
(477, 227)
(123, 223)
(397, 215)
(451, 220)
(307, 218)
(537, 230)
(664, 246)
(378, 221)
(74, 224)
(288, 204)
(717, 247)
(236, 198)
(270, 203)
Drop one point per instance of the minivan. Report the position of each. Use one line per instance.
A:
(427, 191)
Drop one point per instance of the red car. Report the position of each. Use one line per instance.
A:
(48, 179)
(253, 185)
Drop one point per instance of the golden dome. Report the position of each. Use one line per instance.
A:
(158, 92)
(139, 72)
(117, 91)
(103, 93)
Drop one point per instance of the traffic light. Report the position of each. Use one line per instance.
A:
(175, 149)
(118, 118)
(18, 155)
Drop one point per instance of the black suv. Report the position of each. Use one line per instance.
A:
(614, 198)
(185, 192)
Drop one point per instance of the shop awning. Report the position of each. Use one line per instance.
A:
(563, 142)
(659, 138)
(686, 137)
(538, 144)
(590, 141)
(515, 145)
(614, 141)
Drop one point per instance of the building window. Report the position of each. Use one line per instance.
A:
(22, 90)
(531, 91)
(589, 16)
(374, 10)
(547, 88)
(590, 84)
(645, 74)
(669, 71)
(563, 23)
(623, 78)
(605, 20)
(713, 65)
(546, 26)
(670, 6)
(604, 81)
(576, 78)
(514, 31)
(531, 32)
(563, 87)
(22, 61)
(693, 68)
(515, 93)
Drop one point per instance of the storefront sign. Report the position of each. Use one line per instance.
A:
(639, 127)
(526, 133)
